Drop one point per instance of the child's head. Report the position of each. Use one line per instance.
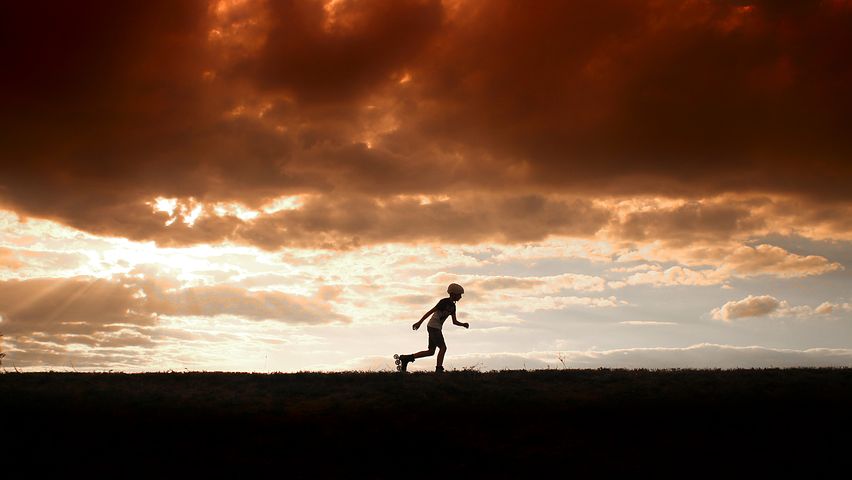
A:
(455, 290)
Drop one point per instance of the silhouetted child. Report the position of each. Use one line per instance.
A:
(440, 312)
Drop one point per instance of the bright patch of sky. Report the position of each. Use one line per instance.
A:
(557, 295)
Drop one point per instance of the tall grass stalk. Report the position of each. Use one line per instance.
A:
(2, 354)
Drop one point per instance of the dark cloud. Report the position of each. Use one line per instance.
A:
(347, 221)
(343, 221)
(108, 106)
(684, 224)
(672, 97)
(332, 222)
(346, 50)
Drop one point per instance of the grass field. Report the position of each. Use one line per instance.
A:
(540, 423)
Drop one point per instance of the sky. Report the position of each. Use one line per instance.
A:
(251, 185)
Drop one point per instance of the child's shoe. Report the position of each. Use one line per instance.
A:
(402, 362)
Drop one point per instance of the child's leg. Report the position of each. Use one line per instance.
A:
(441, 353)
(424, 353)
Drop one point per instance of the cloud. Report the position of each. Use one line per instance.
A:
(308, 40)
(673, 276)
(9, 260)
(766, 305)
(636, 268)
(823, 310)
(525, 285)
(73, 305)
(226, 300)
(529, 294)
(678, 222)
(146, 320)
(645, 322)
(174, 343)
(769, 259)
(726, 260)
(827, 308)
(341, 222)
(413, 299)
(89, 306)
(751, 306)
(497, 106)
(684, 223)
(534, 304)
(28, 263)
(554, 247)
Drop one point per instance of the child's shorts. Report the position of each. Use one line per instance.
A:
(436, 338)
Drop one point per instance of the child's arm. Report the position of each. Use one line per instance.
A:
(430, 312)
(461, 324)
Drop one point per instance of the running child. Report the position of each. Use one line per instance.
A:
(439, 312)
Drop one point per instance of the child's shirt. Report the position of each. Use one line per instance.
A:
(443, 309)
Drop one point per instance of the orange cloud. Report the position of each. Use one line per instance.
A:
(768, 259)
(767, 305)
(751, 306)
(9, 260)
(255, 100)
(88, 306)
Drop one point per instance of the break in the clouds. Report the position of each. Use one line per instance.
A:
(108, 107)
(112, 303)
(140, 321)
(209, 179)
(87, 305)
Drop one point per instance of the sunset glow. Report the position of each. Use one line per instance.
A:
(283, 186)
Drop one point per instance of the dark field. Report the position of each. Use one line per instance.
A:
(557, 424)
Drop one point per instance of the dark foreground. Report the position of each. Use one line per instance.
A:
(504, 424)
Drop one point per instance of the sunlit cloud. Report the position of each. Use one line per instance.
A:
(751, 306)
(303, 180)
(767, 305)
(640, 323)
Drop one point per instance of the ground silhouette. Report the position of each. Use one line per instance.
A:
(567, 423)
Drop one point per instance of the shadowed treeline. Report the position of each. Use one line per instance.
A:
(578, 422)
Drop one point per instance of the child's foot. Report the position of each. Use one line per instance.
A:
(405, 360)
(402, 362)
(439, 369)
